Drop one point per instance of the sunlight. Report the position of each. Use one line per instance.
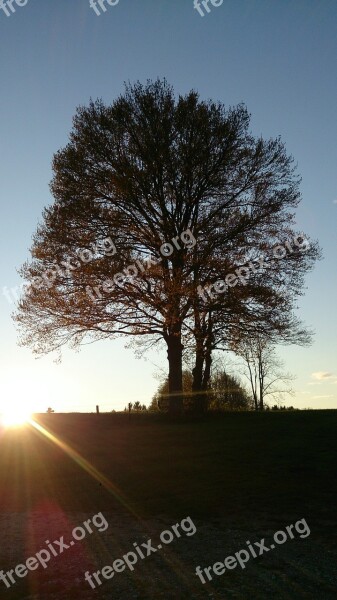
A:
(15, 416)
(23, 393)
(18, 399)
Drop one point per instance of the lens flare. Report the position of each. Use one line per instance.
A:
(14, 417)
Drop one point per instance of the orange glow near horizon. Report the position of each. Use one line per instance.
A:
(15, 416)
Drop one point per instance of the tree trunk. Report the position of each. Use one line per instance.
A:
(255, 402)
(208, 362)
(201, 403)
(175, 359)
(203, 361)
(198, 369)
(261, 406)
(207, 371)
(197, 400)
(197, 379)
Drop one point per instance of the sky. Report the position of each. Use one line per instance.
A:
(278, 57)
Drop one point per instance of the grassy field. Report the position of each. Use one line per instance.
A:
(241, 472)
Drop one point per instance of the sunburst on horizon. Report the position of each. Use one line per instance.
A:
(15, 416)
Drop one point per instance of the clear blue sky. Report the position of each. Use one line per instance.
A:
(279, 57)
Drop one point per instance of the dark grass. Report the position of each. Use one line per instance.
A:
(239, 464)
(236, 470)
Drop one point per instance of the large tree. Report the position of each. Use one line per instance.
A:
(144, 171)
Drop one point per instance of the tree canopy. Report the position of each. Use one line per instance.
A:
(156, 197)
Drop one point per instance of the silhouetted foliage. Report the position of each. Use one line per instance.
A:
(144, 170)
(225, 392)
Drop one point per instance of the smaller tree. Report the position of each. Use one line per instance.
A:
(161, 399)
(49, 410)
(227, 393)
(154, 404)
(264, 371)
(224, 392)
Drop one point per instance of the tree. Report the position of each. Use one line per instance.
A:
(227, 393)
(264, 371)
(148, 171)
(161, 399)
(224, 392)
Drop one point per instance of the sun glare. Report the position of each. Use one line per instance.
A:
(14, 417)
(22, 394)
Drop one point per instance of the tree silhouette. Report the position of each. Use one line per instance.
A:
(224, 392)
(147, 171)
(264, 371)
(227, 393)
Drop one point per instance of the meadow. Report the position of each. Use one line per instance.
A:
(238, 476)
